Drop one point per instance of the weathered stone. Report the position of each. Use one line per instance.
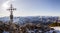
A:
(54, 32)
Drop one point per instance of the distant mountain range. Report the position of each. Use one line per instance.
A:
(33, 19)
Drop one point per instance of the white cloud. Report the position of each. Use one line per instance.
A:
(6, 4)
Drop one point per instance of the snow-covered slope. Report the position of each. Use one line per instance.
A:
(57, 29)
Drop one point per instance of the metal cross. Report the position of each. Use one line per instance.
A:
(11, 9)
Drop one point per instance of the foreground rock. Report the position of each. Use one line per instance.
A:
(26, 28)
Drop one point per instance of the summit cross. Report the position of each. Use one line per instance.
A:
(11, 9)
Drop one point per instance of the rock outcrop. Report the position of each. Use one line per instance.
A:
(26, 28)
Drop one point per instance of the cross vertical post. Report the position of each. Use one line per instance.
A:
(11, 9)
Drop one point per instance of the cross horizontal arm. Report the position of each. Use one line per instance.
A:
(12, 9)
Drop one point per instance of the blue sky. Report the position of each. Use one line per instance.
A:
(31, 7)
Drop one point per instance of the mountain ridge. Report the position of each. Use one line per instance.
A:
(33, 19)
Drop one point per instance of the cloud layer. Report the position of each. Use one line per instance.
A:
(6, 4)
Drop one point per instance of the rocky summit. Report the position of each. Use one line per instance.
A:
(26, 28)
